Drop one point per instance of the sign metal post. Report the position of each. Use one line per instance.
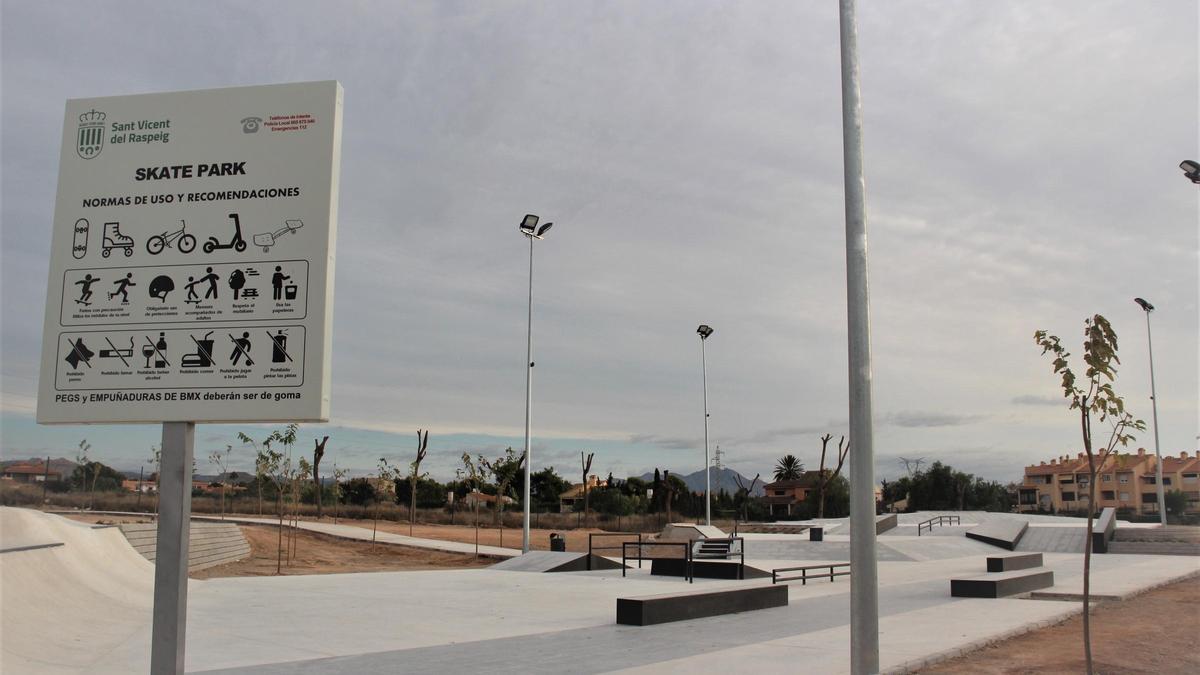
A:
(171, 555)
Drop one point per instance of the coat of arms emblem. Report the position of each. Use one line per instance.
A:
(89, 141)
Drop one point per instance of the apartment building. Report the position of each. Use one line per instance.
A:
(1126, 481)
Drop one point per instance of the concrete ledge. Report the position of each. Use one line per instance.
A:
(1103, 529)
(887, 521)
(1005, 534)
(1001, 584)
(654, 609)
(1013, 561)
(705, 569)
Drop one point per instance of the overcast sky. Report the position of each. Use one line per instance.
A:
(1021, 170)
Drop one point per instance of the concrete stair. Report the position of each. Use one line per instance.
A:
(1164, 540)
(210, 544)
(1154, 547)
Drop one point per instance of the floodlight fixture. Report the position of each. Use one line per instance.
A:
(529, 223)
(1145, 305)
(1191, 170)
(704, 331)
(543, 229)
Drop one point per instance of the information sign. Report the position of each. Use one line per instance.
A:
(191, 263)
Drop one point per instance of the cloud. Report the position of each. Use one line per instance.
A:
(913, 419)
(688, 185)
(1030, 399)
(666, 442)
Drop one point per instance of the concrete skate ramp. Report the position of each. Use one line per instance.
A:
(688, 532)
(555, 561)
(60, 601)
(1005, 534)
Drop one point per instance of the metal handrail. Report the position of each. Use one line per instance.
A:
(805, 576)
(730, 540)
(592, 547)
(938, 520)
(687, 555)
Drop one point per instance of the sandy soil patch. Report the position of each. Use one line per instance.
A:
(1151, 633)
(322, 554)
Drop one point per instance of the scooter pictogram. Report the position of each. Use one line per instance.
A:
(180, 239)
(237, 243)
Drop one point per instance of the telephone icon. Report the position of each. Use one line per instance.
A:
(250, 125)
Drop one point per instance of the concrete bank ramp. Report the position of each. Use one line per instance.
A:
(555, 561)
(58, 602)
(688, 531)
(1003, 533)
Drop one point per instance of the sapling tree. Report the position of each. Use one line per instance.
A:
(387, 475)
(824, 477)
(504, 470)
(414, 476)
(318, 454)
(1093, 396)
(586, 463)
(338, 475)
(221, 461)
(156, 462)
(472, 471)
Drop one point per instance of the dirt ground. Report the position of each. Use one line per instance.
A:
(1154, 632)
(321, 554)
(577, 540)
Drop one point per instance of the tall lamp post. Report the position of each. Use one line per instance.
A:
(1158, 477)
(529, 228)
(704, 331)
(864, 572)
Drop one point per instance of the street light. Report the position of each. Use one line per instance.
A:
(1191, 170)
(704, 331)
(530, 229)
(1158, 477)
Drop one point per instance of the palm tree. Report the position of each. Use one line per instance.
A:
(788, 468)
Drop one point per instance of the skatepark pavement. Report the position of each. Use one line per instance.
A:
(85, 607)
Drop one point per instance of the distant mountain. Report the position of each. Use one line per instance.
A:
(722, 479)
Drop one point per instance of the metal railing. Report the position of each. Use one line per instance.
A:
(804, 573)
(732, 546)
(938, 520)
(641, 546)
(593, 547)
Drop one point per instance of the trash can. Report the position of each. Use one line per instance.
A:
(816, 534)
(557, 543)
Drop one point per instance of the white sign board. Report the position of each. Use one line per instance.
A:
(191, 268)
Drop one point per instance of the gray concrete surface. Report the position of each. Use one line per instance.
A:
(84, 607)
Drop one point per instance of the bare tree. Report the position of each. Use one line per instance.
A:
(824, 478)
(415, 477)
(318, 453)
(745, 493)
(586, 463)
